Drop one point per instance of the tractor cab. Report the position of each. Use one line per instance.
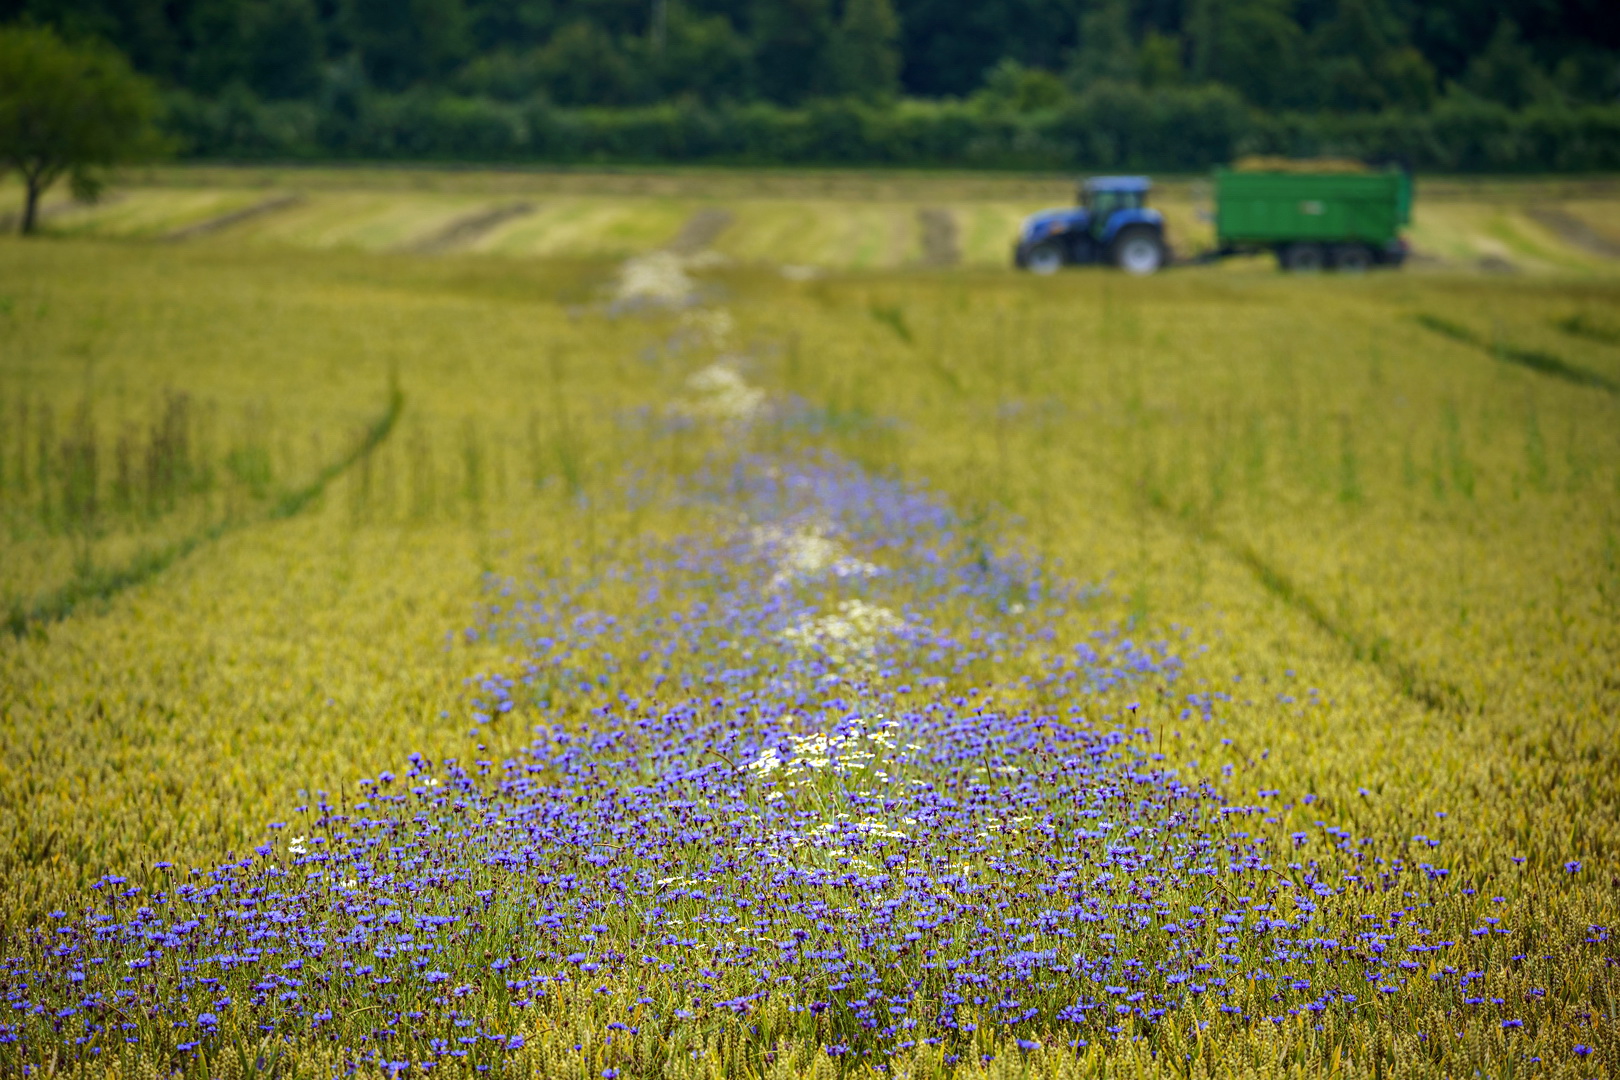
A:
(1112, 224)
(1103, 196)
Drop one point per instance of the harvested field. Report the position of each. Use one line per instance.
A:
(827, 221)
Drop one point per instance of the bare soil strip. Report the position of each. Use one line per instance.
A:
(701, 230)
(940, 246)
(464, 231)
(213, 225)
(1573, 231)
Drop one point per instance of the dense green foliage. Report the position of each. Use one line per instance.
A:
(1109, 127)
(1332, 54)
(1053, 83)
(1112, 127)
(67, 111)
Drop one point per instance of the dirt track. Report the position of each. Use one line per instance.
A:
(1573, 231)
(464, 230)
(701, 230)
(940, 246)
(235, 217)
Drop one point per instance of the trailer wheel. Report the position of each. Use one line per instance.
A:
(1044, 258)
(1352, 259)
(1138, 250)
(1302, 258)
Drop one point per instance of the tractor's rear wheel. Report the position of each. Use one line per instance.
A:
(1352, 259)
(1044, 258)
(1138, 250)
(1303, 258)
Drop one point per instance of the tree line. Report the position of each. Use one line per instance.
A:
(1011, 56)
(1450, 85)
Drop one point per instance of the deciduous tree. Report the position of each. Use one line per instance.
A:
(1507, 71)
(1253, 46)
(583, 65)
(1105, 50)
(68, 110)
(790, 41)
(1365, 61)
(284, 47)
(862, 56)
(1158, 61)
(701, 56)
(406, 42)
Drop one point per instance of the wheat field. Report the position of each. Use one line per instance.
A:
(655, 624)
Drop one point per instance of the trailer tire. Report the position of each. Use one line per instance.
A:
(1302, 258)
(1352, 259)
(1138, 250)
(1044, 258)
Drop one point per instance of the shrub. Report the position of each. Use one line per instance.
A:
(1109, 126)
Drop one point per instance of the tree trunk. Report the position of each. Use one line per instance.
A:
(30, 216)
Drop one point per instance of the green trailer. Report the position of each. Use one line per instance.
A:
(1314, 221)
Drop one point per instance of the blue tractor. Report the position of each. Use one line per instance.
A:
(1112, 225)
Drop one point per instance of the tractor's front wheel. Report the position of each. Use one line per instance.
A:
(1138, 250)
(1044, 258)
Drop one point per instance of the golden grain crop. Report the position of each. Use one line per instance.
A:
(1397, 549)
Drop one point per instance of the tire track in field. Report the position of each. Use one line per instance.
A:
(701, 230)
(467, 229)
(1432, 692)
(941, 245)
(96, 585)
(212, 225)
(1573, 231)
(1537, 360)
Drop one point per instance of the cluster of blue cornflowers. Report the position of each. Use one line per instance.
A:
(839, 761)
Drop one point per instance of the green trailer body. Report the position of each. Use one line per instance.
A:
(1315, 220)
